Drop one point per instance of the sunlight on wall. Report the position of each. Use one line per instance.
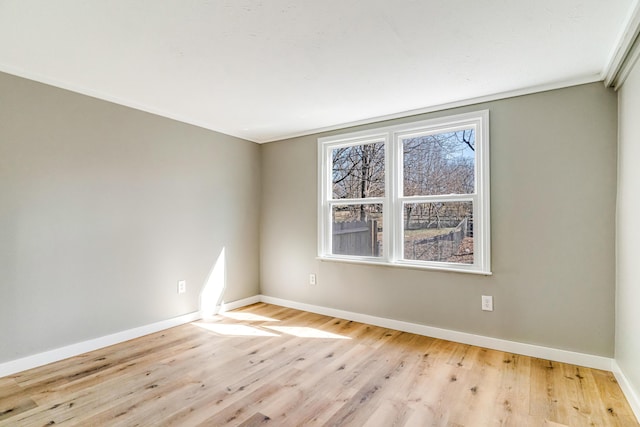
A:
(213, 289)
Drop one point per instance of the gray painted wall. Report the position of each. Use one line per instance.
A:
(553, 180)
(628, 232)
(104, 208)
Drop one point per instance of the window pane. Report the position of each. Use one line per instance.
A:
(358, 171)
(441, 231)
(357, 230)
(443, 163)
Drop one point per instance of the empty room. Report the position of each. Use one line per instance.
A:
(332, 213)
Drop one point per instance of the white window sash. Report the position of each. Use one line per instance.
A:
(394, 201)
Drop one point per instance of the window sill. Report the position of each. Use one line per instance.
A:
(373, 262)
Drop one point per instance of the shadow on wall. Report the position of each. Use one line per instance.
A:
(213, 288)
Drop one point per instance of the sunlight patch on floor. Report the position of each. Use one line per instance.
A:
(249, 317)
(306, 332)
(235, 330)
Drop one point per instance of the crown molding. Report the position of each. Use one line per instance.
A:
(625, 50)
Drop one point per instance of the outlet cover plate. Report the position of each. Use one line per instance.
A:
(487, 303)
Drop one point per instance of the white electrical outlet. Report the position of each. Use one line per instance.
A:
(487, 303)
(312, 279)
(182, 286)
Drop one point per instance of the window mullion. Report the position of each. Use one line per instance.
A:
(396, 194)
(389, 215)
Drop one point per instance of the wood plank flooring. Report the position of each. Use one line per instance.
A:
(265, 365)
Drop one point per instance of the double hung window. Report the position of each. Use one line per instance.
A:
(414, 195)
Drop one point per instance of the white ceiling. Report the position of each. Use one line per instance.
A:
(265, 70)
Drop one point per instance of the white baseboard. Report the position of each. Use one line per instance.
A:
(588, 360)
(40, 359)
(65, 352)
(632, 395)
(227, 306)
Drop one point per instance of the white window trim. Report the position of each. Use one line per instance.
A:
(393, 202)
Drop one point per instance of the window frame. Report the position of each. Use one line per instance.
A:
(394, 199)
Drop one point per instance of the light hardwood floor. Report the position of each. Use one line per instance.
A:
(273, 366)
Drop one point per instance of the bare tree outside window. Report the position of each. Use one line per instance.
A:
(439, 164)
(358, 173)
